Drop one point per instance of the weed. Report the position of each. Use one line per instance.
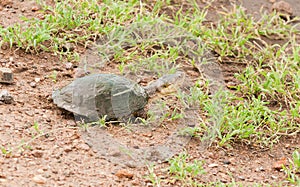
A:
(36, 128)
(184, 171)
(101, 123)
(152, 177)
(190, 131)
(5, 151)
(53, 76)
(293, 170)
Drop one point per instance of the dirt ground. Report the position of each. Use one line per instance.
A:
(56, 154)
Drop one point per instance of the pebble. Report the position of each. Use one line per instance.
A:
(35, 8)
(84, 146)
(29, 113)
(69, 65)
(213, 165)
(5, 97)
(131, 164)
(260, 169)
(279, 163)
(226, 162)
(149, 135)
(6, 75)
(69, 47)
(124, 174)
(37, 153)
(115, 153)
(273, 177)
(39, 179)
(32, 84)
(68, 149)
(2, 180)
(37, 79)
(282, 7)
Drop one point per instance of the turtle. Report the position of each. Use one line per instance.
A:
(112, 96)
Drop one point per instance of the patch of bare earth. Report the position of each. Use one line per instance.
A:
(54, 153)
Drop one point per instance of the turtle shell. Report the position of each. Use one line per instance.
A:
(94, 96)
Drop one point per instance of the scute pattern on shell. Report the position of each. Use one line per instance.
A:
(97, 95)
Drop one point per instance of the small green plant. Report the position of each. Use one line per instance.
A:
(121, 68)
(152, 177)
(296, 161)
(293, 170)
(190, 131)
(36, 127)
(184, 171)
(101, 123)
(5, 151)
(176, 114)
(53, 76)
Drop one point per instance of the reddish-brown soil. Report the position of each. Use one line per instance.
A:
(57, 153)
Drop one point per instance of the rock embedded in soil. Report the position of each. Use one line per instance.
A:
(5, 97)
(37, 153)
(32, 84)
(278, 165)
(39, 179)
(5, 3)
(6, 75)
(124, 174)
(283, 7)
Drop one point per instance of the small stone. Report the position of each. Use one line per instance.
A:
(280, 163)
(212, 155)
(32, 84)
(37, 153)
(39, 179)
(84, 146)
(69, 46)
(274, 177)
(2, 180)
(4, 46)
(79, 72)
(6, 75)
(282, 7)
(68, 149)
(69, 65)
(124, 174)
(115, 153)
(131, 164)
(37, 79)
(5, 97)
(35, 8)
(232, 169)
(272, 1)
(149, 135)
(260, 169)
(5, 3)
(226, 162)
(213, 165)
(29, 113)
(40, 171)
